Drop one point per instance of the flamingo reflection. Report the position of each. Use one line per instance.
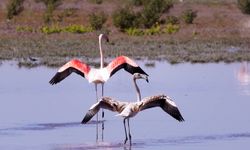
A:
(243, 76)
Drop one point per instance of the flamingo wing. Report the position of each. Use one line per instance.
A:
(105, 103)
(126, 63)
(71, 66)
(165, 103)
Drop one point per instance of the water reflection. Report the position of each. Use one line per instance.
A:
(243, 76)
(100, 145)
(170, 141)
(201, 138)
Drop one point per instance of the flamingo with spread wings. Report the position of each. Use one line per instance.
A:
(97, 75)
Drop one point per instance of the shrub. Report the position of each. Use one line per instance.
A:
(136, 2)
(69, 29)
(68, 12)
(134, 32)
(124, 18)
(189, 15)
(172, 20)
(153, 10)
(50, 30)
(244, 6)
(96, 1)
(97, 20)
(156, 29)
(51, 5)
(77, 29)
(171, 28)
(24, 29)
(14, 7)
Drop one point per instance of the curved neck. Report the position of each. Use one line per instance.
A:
(138, 93)
(101, 55)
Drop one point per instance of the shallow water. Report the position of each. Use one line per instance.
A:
(214, 100)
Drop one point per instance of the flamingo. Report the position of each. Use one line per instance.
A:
(97, 75)
(131, 109)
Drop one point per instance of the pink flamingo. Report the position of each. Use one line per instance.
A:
(94, 75)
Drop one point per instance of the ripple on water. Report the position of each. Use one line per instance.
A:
(198, 139)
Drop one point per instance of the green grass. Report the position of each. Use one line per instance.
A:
(55, 52)
(69, 29)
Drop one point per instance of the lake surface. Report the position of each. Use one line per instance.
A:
(214, 100)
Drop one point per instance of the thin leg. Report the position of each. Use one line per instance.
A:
(102, 89)
(96, 93)
(97, 132)
(96, 114)
(102, 96)
(102, 114)
(96, 100)
(102, 130)
(126, 137)
(129, 135)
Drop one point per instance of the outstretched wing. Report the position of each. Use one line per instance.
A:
(126, 63)
(165, 103)
(71, 66)
(105, 103)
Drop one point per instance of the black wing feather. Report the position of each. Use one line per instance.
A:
(59, 76)
(90, 114)
(105, 103)
(161, 101)
(173, 111)
(128, 68)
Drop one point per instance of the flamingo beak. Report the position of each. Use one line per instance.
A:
(105, 36)
(145, 77)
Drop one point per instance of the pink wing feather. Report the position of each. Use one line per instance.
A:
(126, 63)
(72, 66)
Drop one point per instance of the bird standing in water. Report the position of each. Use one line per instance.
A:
(130, 109)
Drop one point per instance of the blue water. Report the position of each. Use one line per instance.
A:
(214, 100)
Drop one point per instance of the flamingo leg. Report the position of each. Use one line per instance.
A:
(102, 113)
(96, 100)
(126, 137)
(96, 114)
(129, 135)
(96, 92)
(102, 96)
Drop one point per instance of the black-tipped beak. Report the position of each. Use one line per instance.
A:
(105, 36)
(145, 77)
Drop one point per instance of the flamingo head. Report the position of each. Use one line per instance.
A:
(104, 36)
(140, 76)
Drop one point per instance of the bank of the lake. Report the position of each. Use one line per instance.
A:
(55, 50)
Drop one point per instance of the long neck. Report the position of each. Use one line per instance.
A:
(138, 93)
(101, 55)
